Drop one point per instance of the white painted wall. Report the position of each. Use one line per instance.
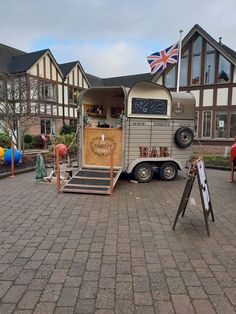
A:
(196, 94)
(54, 72)
(85, 84)
(59, 93)
(234, 96)
(207, 97)
(60, 112)
(222, 97)
(47, 63)
(41, 67)
(66, 95)
(80, 79)
(71, 112)
(33, 70)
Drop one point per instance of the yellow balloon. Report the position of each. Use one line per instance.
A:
(1, 152)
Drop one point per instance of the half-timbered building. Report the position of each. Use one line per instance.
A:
(58, 86)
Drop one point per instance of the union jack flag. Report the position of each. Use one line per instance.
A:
(162, 59)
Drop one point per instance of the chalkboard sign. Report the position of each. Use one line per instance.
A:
(149, 106)
(197, 169)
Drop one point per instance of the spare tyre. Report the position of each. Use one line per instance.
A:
(184, 137)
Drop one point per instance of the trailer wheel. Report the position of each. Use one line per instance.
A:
(168, 171)
(184, 137)
(143, 172)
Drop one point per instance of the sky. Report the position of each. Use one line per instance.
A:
(111, 38)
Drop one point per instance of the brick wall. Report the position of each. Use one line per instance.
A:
(215, 150)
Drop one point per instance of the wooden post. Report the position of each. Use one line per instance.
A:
(58, 169)
(12, 160)
(111, 170)
(232, 170)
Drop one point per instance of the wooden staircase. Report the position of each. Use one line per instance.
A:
(92, 180)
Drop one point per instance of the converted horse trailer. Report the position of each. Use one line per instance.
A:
(146, 128)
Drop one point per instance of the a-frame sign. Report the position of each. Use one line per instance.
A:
(197, 169)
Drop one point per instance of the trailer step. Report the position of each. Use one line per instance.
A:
(92, 180)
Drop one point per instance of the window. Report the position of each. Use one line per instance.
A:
(233, 124)
(220, 125)
(196, 118)
(209, 71)
(47, 126)
(196, 61)
(49, 110)
(170, 78)
(42, 108)
(207, 116)
(54, 110)
(72, 95)
(34, 108)
(223, 70)
(184, 69)
(48, 91)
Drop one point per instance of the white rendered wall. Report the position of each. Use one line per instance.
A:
(47, 67)
(234, 96)
(196, 94)
(222, 96)
(59, 93)
(207, 97)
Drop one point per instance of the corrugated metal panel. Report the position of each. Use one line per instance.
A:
(157, 133)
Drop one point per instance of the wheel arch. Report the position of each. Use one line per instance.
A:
(154, 161)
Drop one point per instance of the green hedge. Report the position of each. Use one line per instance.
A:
(217, 161)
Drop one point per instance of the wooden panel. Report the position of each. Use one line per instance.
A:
(97, 143)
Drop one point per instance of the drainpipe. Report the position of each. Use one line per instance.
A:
(63, 101)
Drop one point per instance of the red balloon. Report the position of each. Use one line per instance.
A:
(62, 149)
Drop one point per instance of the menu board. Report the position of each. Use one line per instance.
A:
(149, 106)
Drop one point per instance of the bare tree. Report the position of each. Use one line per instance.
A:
(18, 104)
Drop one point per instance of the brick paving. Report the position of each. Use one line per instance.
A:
(71, 253)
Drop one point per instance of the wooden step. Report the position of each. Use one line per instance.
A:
(93, 180)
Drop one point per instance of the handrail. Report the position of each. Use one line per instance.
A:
(12, 160)
(111, 170)
(58, 169)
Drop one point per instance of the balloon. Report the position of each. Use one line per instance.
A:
(62, 149)
(1, 152)
(17, 156)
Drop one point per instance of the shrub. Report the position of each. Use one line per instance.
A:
(216, 161)
(64, 139)
(28, 138)
(68, 129)
(5, 140)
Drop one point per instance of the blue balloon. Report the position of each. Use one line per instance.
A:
(17, 156)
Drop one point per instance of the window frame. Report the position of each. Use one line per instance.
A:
(210, 136)
(215, 130)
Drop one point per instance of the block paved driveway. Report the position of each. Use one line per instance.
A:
(71, 253)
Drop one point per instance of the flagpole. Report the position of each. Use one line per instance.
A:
(179, 59)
